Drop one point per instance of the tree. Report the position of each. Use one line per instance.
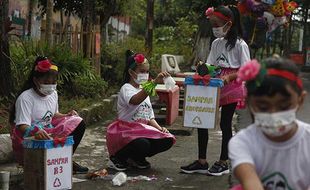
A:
(31, 4)
(49, 21)
(195, 9)
(149, 28)
(107, 8)
(6, 84)
(102, 8)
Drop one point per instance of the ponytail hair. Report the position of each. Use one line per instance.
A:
(235, 31)
(128, 61)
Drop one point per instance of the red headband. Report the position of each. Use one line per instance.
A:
(210, 11)
(287, 75)
(44, 66)
(221, 16)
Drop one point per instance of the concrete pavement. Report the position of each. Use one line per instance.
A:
(165, 166)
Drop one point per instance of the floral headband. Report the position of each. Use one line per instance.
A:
(44, 66)
(139, 60)
(254, 71)
(210, 11)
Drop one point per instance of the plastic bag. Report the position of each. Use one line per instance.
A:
(119, 179)
(169, 82)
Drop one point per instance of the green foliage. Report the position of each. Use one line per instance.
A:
(113, 58)
(4, 115)
(71, 66)
(178, 40)
(88, 87)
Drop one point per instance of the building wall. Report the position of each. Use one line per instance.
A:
(19, 9)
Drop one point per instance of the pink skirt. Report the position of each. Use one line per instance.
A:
(232, 92)
(120, 133)
(62, 127)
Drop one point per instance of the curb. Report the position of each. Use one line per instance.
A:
(6, 153)
(99, 111)
(91, 115)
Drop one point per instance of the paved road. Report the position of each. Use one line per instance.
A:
(165, 166)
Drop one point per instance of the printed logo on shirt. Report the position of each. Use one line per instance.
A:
(47, 118)
(276, 181)
(143, 113)
(222, 61)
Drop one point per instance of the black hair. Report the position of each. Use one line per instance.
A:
(235, 31)
(130, 64)
(29, 84)
(129, 60)
(271, 85)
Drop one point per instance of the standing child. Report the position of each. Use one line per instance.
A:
(274, 151)
(136, 134)
(229, 52)
(35, 112)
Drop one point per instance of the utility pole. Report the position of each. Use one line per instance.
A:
(150, 25)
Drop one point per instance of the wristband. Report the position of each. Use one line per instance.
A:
(149, 88)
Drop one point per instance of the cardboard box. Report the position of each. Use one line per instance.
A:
(48, 164)
(201, 103)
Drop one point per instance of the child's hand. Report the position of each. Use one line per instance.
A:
(72, 112)
(160, 77)
(164, 130)
(226, 79)
(42, 135)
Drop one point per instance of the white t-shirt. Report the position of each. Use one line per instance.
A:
(278, 164)
(129, 112)
(31, 108)
(222, 57)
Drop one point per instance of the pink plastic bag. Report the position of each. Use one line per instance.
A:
(237, 187)
(120, 133)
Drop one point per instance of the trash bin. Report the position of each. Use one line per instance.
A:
(48, 163)
(297, 58)
(308, 57)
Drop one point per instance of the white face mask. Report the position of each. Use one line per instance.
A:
(47, 89)
(142, 78)
(219, 31)
(276, 124)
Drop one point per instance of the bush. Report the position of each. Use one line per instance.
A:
(113, 58)
(176, 40)
(88, 87)
(72, 67)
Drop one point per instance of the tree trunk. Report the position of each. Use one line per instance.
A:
(290, 35)
(61, 25)
(64, 29)
(201, 48)
(149, 25)
(6, 84)
(305, 27)
(30, 16)
(49, 22)
(104, 19)
(202, 42)
(88, 21)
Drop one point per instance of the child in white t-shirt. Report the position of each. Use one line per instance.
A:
(136, 134)
(228, 52)
(36, 114)
(274, 151)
